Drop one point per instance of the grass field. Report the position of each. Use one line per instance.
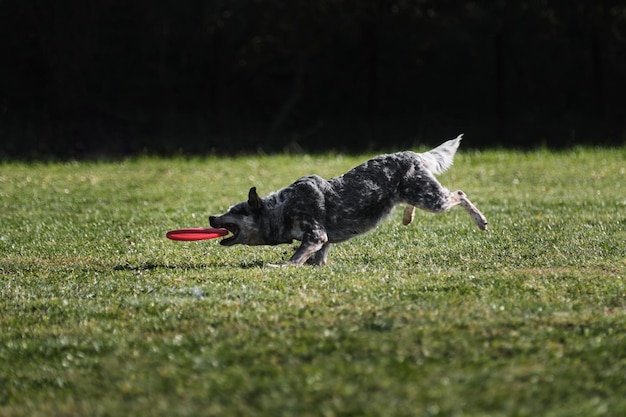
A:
(100, 315)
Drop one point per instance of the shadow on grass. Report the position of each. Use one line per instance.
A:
(150, 266)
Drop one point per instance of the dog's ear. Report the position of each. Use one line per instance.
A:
(254, 200)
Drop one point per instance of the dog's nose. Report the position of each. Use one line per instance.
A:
(212, 219)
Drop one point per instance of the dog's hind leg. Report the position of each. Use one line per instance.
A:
(431, 196)
(459, 198)
(409, 214)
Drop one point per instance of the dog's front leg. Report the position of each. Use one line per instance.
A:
(312, 241)
(320, 256)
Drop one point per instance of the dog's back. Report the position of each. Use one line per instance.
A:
(358, 200)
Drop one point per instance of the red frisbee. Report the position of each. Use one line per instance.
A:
(196, 233)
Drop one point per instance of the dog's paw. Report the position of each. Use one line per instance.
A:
(277, 265)
(285, 265)
(481, 222)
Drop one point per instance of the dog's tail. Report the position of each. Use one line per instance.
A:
(439, 159)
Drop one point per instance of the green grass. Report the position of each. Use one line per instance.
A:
(100, 315)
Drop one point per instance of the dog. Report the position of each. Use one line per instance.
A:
(319, 212)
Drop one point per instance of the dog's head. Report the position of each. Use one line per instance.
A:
(243, 220)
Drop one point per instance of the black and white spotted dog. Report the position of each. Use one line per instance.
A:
(319, 212)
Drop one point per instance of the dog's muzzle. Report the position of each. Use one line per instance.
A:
(214, 221)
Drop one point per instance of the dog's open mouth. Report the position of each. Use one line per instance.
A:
(234, 230)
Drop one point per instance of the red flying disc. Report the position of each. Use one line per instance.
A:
(196, 233)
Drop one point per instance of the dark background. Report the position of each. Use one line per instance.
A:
(85, 78)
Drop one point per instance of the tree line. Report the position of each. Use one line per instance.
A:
(116, 77)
